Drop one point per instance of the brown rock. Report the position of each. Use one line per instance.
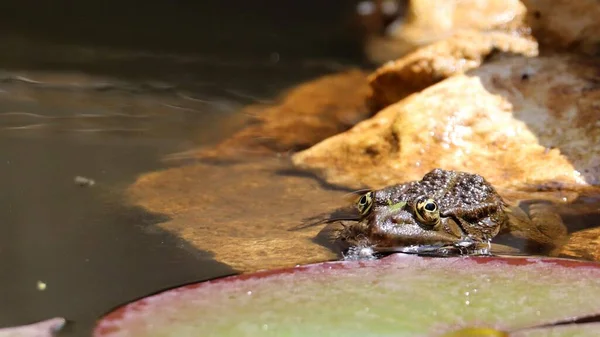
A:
(428, 21)
(306, 115)
(580, 212)
(462, 52)
(241, 213)
(565, 24)
(492, 121)
(584, 244)
(558, 98)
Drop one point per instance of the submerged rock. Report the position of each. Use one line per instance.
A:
(241, 213)
(306, 115)
(517, 121)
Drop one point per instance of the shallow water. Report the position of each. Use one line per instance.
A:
(110, 94)
(107, 92)
(84, 243)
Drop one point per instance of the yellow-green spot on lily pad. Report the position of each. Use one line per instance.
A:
(476, 332)
(398, 295)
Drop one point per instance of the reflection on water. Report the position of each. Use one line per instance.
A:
(91, 248)
(76, 103)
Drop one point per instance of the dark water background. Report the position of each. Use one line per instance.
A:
(102, 89)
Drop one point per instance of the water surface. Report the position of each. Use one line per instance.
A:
(106, 92)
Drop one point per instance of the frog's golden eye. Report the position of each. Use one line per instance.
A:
(364, 203)
(427, 211)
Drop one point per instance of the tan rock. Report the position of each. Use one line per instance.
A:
(584, 244)
(462, 52)
(580, 212)
(304, 116)
(240, 213)
(428, 21)
(559, 99)
(565, 24)
(445, 15)
(517, 121)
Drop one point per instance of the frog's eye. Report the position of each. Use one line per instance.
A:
(427, 211)
(364, 203)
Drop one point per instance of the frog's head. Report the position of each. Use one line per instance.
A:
(413, 220)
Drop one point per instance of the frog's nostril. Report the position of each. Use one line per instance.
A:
(403, 218)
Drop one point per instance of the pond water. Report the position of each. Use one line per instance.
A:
(106, 92)
(101, 107)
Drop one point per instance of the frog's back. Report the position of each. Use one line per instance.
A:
(450, 189)
(459, 189)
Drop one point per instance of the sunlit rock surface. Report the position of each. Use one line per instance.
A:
(517, 121)
(428, 21)
(398, 295)
(558, 98)
(426, 66)
(557, 24)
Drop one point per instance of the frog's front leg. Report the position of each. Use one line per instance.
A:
(541, 227)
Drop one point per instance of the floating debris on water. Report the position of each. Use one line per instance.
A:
(84, 182)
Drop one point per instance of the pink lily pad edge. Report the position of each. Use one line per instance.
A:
(43, 328)
(104, 326)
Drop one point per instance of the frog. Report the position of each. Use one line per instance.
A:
(445, 213)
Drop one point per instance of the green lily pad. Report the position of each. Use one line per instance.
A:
(396, 296)
(45, 328)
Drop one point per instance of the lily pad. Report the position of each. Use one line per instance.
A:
(45, 328)
(400, 295)
(571, 330)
